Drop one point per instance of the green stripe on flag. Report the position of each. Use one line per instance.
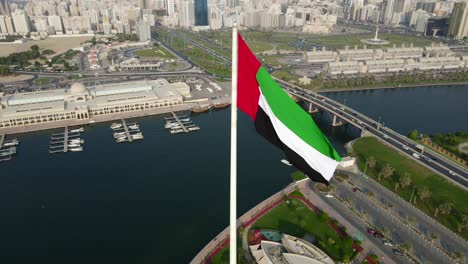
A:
(293, 116)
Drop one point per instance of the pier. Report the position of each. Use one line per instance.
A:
(2, 138)
(67, 141)
(127, 132)
(123, 132)
(180, 122)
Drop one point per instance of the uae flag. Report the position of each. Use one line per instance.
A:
(281, 121)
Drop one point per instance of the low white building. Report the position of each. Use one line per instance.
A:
(79, 102)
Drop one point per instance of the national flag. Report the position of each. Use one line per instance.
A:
(281, 121)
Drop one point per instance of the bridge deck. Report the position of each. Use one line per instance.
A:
(65, 139)
(127, 132)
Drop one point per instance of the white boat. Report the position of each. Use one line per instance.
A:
(76, 130)
(175, 131)
(76, 140)
(185, 119)
(76, 149)
(118, 140)
(10, 144)
(171, 125)
(134, 126)
(116, 125)
(286, 162)
(74, 145)
(120, 134)
(134, 137)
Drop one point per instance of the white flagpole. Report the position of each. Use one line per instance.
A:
(233, 185)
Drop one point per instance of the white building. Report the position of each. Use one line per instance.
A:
(143, 31)
(56, 22)
(81, 103)
(21, 22)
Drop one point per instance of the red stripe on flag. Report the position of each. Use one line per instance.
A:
(248, 92)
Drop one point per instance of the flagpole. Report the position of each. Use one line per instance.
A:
(233, 176)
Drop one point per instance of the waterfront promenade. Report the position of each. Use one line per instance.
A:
(96, 119)
(222, 240)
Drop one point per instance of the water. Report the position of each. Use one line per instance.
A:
(162, 199)
(433, 109)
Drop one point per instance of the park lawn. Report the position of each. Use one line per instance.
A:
(42, 80)
(297, 219)
(342, 41)
(465, 148)
(285, 76)
(441, 190)
(223, 256)
(157, 52)
(298, 175)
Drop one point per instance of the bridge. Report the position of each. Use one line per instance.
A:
(342, 114)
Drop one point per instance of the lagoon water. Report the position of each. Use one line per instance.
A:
(162, 199)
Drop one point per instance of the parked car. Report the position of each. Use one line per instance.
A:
(329, 195)
(398, 252)
(388, 243)
(375, 233)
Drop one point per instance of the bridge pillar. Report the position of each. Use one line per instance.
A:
(312, 109)
(336, 121)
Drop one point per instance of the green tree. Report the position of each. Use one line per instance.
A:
(413, 134)
(424, 193)
(35, 47)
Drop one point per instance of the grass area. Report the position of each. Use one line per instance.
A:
(298, 175)
(351, 40)
(465, 148)
(201, 58)
(42, 80)
(441, 192)
(286, 76)
(157, 52)
(296, 219)
(451, 142)
(223, 256)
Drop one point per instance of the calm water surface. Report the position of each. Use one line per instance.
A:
(162, 199)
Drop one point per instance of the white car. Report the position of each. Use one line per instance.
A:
(360, 122)
(416, 155)
(385, 136)
(329, 195)
(452, 173)
(388, 243)
(405, 147)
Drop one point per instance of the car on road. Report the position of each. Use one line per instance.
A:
(405, 147)
(451, 172)
(355, 189)
(385, 136)
(398, 252)
(428, 160)
(374, 232)
(388, 243)
(329, 195)
(416, 155)
(360, 122)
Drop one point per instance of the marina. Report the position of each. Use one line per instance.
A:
(180, 124)
(68, 141)
(126, 132)
(7, 148)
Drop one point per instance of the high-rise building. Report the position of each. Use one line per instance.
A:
(4, 8)
(21, 22)
(56, 22)
(144, 4)
(458, 27)
(170, 7)
(201, 12)
(143, 31)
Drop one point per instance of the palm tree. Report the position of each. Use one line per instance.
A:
(405, 181)
(424, 193)
(389, 170)
(444, 208)
(371, 162)
(406, 246)
(464, 224)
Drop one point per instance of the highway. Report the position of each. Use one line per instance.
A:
(403, 144)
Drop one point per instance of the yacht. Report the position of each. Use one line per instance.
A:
(11, 143)
(76, 149)
(284, 161)
(134, 126)
(76, 130)
(115, 125)
(137, 136)
(121, 139)
(76, 140)
(74, 145)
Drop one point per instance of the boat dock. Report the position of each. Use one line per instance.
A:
(7, 148)
(180, 124)
(126, 132)
(125, 127)
(67, 141)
